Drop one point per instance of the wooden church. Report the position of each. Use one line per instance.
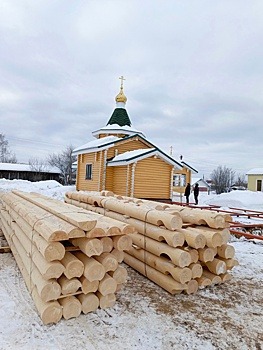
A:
(123, 161)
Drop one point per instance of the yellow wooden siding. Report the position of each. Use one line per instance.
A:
(152, 179)
(119, 180)
(109, 178)
(82, 183)
(126, 146)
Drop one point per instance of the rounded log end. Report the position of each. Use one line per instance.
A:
(52, 313)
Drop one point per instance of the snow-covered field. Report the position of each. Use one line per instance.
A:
(145, 317)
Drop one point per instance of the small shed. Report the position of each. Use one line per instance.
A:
(203, 185)
(255, 179)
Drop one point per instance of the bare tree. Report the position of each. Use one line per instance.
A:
(222, 179)
(38, 166)
(241, 180)
(6, 156)
(63, 161)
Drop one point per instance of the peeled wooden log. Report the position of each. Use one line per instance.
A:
(193, 252)
(123, 242)
(178, 257)
(76, 217)
(201, 217)
(88, 286)
(118, 254)
(107, 285)
(203, 282)
(107, 244)
(213, 239)
(206, 254)
(174, 239)
(152, 216)
(48, 270)
(196, 269)
(154, 205)
(181, 275)
(226, 251)
(49, 312)
(73, 266)
(89, 246)
(50, 250)
(50, 227)
(193, 238)
(215, 279)
(192, 287)
(89, 302)
(164, 281)
(108, 260)
(216, 266)
(93, 270)
(225, 277)
(71, 307)
(69, 286)
(47, 289)
(106, 300)
(109, 227)
(107, 193)
(224, 233)
(120, 275)
(230, 263)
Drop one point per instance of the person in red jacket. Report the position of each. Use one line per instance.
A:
(187, 193)
(196, 193)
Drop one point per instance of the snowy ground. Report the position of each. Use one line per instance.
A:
(229, 316)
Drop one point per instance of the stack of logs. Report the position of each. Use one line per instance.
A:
(179, 248)
(69, 257)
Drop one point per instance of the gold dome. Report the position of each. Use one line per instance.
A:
(121, 97)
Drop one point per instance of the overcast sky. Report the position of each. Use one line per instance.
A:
(193, 69)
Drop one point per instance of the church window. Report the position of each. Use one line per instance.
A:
(88, 172)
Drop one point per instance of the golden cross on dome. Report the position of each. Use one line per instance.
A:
(122, 78)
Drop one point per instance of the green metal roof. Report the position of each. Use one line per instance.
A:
(120, 117)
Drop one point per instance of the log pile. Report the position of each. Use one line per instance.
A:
(69, 257)
(179, 248)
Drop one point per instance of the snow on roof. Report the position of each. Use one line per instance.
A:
(132, 154)
(26, 167)
(139, 154)
(255, 171)
(194, 180)
(93, 145)
(124, 129)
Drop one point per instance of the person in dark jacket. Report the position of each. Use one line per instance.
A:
(196, 193)
(187, 192)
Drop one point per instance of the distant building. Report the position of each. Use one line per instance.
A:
(203, 185)
(122, 160)
(12, 171)
(255, 179)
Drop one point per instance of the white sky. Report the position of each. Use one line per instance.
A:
(193, 69)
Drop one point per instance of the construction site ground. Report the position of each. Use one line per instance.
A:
(228, 316)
